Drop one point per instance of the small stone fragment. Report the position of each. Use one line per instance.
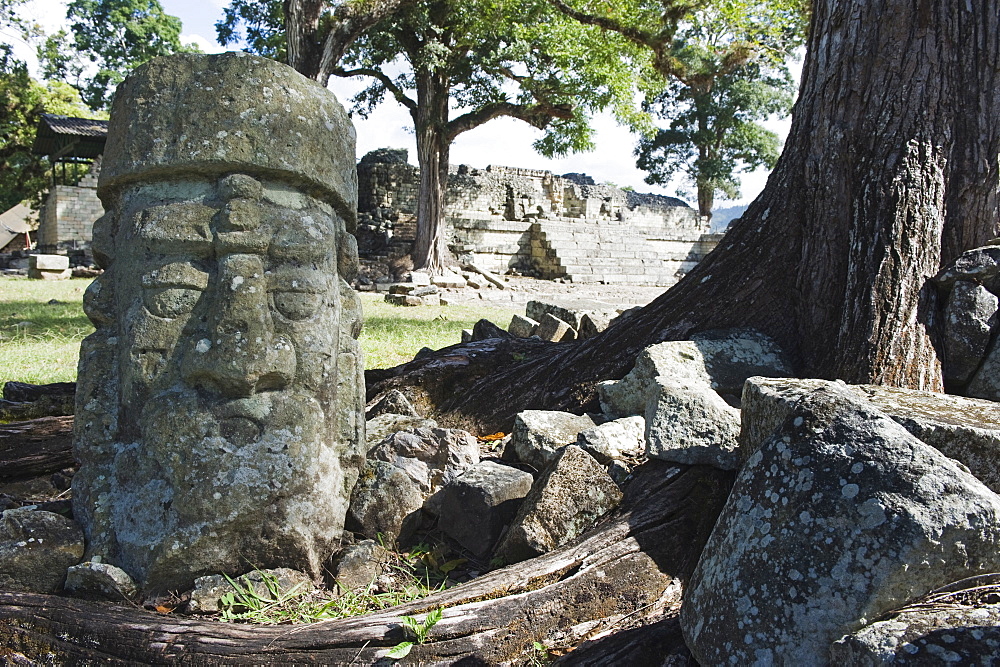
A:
(552, 329)
(359, 565)
(381, 427)
(539, 434)
(477, 505)
(968, 320)
(100, 580)
(691, 424)
(385, 501)
(522, 327)
(392, 402)
(614, 439)
(565, 501)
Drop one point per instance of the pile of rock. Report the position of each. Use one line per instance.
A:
(561, 322)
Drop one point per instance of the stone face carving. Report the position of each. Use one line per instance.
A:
(220, 410)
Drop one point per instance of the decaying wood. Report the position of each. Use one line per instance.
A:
(22, 401)
(35, 447)
(628, 567)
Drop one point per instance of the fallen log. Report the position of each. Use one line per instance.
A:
(629, 568)
(36, 447)
(22, 401)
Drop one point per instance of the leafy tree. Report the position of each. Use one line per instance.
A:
(113, 36)
(713, 133)
(23, 175)
(724, 66)
(487, 58)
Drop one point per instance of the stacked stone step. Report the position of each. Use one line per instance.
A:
(592, 251)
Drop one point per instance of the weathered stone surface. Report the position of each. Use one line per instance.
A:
(950, 634)
(359, 565)
(522, 327)
(449, 279)
(48, 262)
(963, 429)
(220, 408)
(393, 402)
(36, 547)
(206, 598)
(690, 423)
(614, 439)
(539, 434)
(592, 324)
(381, 427)
(985, 382)
(385, 501)
(838, 517)
(405, 300)
(537, 310)
(100, 580)
(484, 330)
(723, 361)
(979, 264)
(431, 457)
(476, 506)
(567, 499)
(552, 329)
(968, 319)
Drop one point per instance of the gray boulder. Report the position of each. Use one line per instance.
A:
(948, 634)
(537, 310)
(722, 363)
(689, 423)
(963, 429)
(36, 547)
(539, 434)
(485, 330)
(431, 457)
(565, 501)
(476, 506)
(985, 382)
(978, 264)
(392, 402)
(359, 565)
(384, 425)
(100, 580)
(614, 439)
(594, 323)
(838, 517)
(385, 501)
(968, 321)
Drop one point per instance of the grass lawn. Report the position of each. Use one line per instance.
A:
(42, 324)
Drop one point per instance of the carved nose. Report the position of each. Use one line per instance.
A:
(241, 354)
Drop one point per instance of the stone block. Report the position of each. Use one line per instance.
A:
(566, 500)
(522, 327)
(615, 439)
(477, 505)
(36, 547)
(538, 435)
(551, 328)
(48, 262)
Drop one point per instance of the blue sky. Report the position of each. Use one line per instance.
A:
(502, 141)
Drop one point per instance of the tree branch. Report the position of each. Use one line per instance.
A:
(536, 115)
(350, 20)
(640, 37)
(396, 91)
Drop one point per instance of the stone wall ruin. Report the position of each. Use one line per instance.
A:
(534, 222)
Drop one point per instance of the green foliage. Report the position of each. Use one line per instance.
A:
(727, 69)
(25, 176)
(416, 629)
(115, 36)
(245, 603)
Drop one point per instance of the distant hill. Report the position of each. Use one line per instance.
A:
(721, 217)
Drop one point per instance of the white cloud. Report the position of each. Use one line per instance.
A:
(206, 45)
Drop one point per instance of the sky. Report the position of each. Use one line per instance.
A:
(503, 141)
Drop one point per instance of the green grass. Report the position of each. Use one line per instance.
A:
(39, 341)
(47, 349)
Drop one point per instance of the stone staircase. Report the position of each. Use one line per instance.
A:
(613, 252)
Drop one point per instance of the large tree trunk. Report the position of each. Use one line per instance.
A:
(627, 570)
(430, 120)
(890, 170)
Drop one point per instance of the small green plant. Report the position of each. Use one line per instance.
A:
(416, 629)
(245, 603)
(540, 655)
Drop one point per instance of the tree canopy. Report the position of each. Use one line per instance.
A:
(455, 66)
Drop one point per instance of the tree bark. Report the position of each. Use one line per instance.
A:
(430, 119)
(890, 170)
(628, 569)
(34, 448)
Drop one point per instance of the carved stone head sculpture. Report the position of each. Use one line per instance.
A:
(219, 407)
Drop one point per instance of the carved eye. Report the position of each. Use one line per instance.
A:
(170, 302)
(297, 306)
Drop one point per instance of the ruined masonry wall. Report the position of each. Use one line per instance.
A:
(69, 214)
